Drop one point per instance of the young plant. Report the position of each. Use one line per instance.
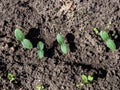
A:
(110, 43)
(21, 37)
(96, 30)
(40, 47)
(39, 87)
(11, 77)
(63, 45)
(87, 79)
(27, 44)
(104, 35)
(19, 34)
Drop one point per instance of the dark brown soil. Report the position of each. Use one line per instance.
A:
(43, 20)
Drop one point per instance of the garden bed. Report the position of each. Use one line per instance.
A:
(42, 20)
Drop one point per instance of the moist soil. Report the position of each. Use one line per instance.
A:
(42, 20)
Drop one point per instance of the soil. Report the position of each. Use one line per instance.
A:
(43, 20)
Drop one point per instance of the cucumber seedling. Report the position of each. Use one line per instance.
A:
(104, 35)
(40, 47)
(11, 77)
(87, 79)
(39, 87)
(96, 30)
(106, 38)
(61, 42)
(109, 42)
(21, 37)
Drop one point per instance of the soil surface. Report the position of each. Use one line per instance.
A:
(43, 20)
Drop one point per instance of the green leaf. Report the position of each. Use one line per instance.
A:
(39, 87)
(40, 54)
(60, 39)
(90, 78)
(85, 79)
(104, 35)
(27, 44)
(19, 34)
(11, 77)
(64, 48)
(96, 30)
(110, 44)
(40, 45)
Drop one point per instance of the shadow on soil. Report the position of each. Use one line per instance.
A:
(50, 51)
(33, 36)
(3, 66)
(70, 38)
(116, 37)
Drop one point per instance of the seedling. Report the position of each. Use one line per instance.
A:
(104, 35)
(40, 47)
(60, 39)
(63, 45)
(19, 34)
(11, 77)
(96, 30)
(110, 44)
(64, 48)
(21, 37)
(27, 44)
(87, 79)
(39, 87)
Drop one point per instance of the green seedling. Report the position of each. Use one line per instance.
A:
(40, 47)
(104, 35)
(63, 45)
(11, 77)
(19, 34)
(110, 44)
(90, 78)
(21, 37)
(27, 44)
(60, 39)
(64, 48)
(87, 79)
(40, 54)
(96, 30)
(39, 87)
